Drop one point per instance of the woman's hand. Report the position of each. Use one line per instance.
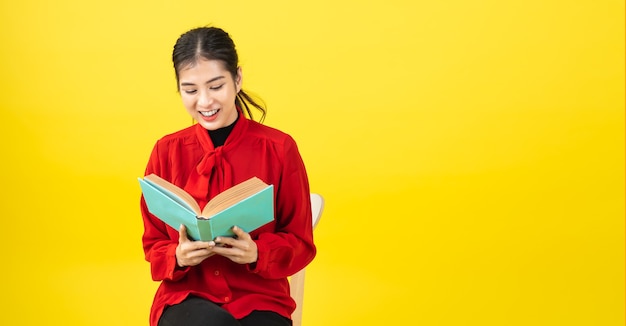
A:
(191, 253)
(242, 250)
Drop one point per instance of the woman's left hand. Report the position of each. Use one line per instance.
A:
(242, 250)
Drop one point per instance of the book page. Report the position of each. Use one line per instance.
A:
(174, 192)
(232, 196)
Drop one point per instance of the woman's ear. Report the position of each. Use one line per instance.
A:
(238, 80)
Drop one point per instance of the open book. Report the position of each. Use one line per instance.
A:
(248, 205)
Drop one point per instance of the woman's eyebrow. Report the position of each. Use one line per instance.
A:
(207, 82)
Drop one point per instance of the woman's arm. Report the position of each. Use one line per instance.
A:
(159, 247)
(290, 248)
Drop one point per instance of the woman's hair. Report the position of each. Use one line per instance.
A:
(212, 43)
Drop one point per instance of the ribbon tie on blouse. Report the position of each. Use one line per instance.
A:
(214, 169)
(213, 173)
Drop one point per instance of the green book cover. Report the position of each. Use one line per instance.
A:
(248, 205)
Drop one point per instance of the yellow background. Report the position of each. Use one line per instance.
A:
(471, 153)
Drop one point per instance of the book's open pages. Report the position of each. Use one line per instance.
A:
(232, 196)
(180, 196)
(218, 203)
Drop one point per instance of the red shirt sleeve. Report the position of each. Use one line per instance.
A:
(290, 248)
(159, 247)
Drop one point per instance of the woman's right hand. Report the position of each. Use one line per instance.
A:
(189, 252)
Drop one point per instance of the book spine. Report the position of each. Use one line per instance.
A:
(212, 237)
(205, 229)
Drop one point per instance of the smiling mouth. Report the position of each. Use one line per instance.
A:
(208, 113)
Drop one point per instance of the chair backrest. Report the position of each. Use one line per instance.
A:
(297, 280)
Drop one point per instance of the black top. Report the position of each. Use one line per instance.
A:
(218, 136)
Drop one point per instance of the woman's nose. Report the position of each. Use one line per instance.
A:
(205, 99)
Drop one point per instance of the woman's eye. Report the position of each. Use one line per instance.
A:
(217, 87)
(190, 91)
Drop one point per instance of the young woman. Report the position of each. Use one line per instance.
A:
(228, 281)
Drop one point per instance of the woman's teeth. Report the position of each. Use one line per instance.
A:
(208, 113)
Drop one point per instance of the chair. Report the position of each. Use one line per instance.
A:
(297, 280)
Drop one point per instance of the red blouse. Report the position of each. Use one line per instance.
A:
(188, 159)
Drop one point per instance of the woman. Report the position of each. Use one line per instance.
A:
(228, 281)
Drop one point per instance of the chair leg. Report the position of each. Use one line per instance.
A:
(296, 284)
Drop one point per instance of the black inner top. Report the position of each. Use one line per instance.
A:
(218, 136)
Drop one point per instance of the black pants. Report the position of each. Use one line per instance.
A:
(196, 311)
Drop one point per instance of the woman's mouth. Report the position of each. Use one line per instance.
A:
(208, 113)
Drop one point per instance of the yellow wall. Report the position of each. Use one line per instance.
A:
(471, 153)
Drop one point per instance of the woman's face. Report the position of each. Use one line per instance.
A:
(208, 92)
